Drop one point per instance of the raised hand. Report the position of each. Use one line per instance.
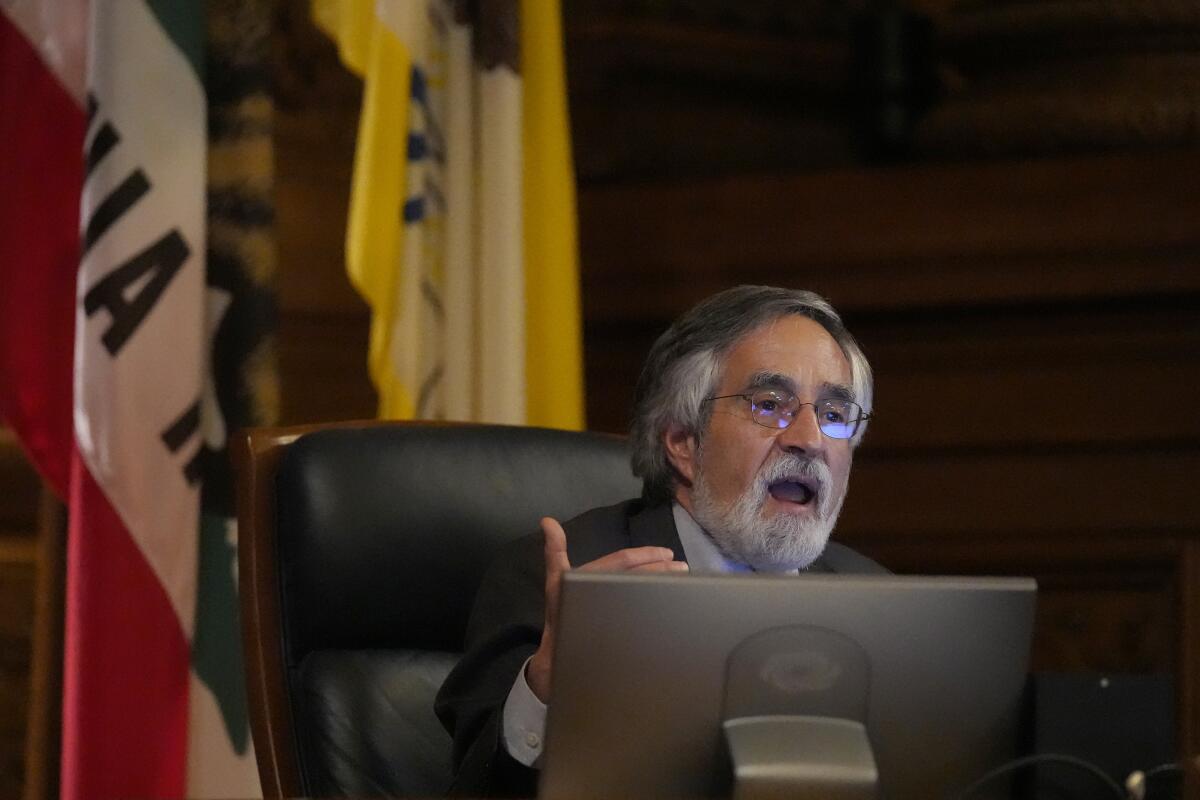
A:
(631, 559)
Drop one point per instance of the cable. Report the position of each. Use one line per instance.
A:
(1135, 784)
(1046, 758)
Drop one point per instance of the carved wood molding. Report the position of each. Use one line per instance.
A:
(1072, 24)
(1146, 100)
(1065, 76)
(777, 17)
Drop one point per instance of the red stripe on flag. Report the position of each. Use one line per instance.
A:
(125, 693)
(41, 172)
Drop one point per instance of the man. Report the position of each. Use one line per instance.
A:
(746, 417)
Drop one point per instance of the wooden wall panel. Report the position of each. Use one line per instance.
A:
(323, 323)
(322, 361)
(1088, 374)
(900, 238)
(20, 493)
(17, 579)
(19, 488)
(987, 494)
(1189, 657)
(312, 193)
(1105, 629)
(1042, 377)
(1105, 602)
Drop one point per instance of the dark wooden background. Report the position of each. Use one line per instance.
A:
(1009, 223)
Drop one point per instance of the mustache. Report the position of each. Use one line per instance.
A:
(790, 465)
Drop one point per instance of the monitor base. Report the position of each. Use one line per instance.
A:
(800, 758)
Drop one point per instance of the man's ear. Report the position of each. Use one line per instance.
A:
(681, 451)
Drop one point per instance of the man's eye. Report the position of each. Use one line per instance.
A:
(768, 406)
(835, 414)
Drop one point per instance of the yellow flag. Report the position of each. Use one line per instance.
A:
(462, 231)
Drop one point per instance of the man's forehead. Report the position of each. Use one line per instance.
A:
(767, 379)
(791, 349)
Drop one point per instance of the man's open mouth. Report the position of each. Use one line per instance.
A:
(801, 491)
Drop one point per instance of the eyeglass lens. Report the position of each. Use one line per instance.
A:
(838, 419)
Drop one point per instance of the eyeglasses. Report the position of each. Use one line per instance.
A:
(837, 418)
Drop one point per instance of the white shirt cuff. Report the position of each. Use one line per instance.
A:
(524, 722)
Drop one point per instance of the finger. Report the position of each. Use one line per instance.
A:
(629, 558)
(555, 550)
(662, 566)
(555, 544)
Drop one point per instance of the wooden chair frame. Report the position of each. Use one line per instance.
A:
(257, 453)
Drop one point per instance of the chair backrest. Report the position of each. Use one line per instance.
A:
(361, 548)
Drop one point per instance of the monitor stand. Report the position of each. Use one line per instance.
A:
(794, 716)
(800, 758)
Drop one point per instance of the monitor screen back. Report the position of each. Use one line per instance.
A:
(641, 661)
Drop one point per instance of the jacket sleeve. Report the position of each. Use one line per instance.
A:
(505, 629)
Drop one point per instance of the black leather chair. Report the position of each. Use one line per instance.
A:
(361, 548)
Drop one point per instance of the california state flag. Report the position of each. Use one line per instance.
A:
(128, 75)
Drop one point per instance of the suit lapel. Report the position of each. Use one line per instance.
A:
(655, 527)
(821, 565)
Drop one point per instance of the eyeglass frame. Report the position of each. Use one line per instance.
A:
(749, 398)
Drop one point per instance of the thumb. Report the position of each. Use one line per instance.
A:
(555, 549)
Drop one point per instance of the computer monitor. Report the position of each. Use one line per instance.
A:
(818, 686)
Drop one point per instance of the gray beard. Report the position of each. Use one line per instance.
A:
(743, 532)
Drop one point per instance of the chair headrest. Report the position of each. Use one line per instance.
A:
(384, 533)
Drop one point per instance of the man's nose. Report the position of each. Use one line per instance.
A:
(804, 433)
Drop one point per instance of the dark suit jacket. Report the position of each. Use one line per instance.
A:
(506, 627)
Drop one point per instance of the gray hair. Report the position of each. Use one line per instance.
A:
(684, 368)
